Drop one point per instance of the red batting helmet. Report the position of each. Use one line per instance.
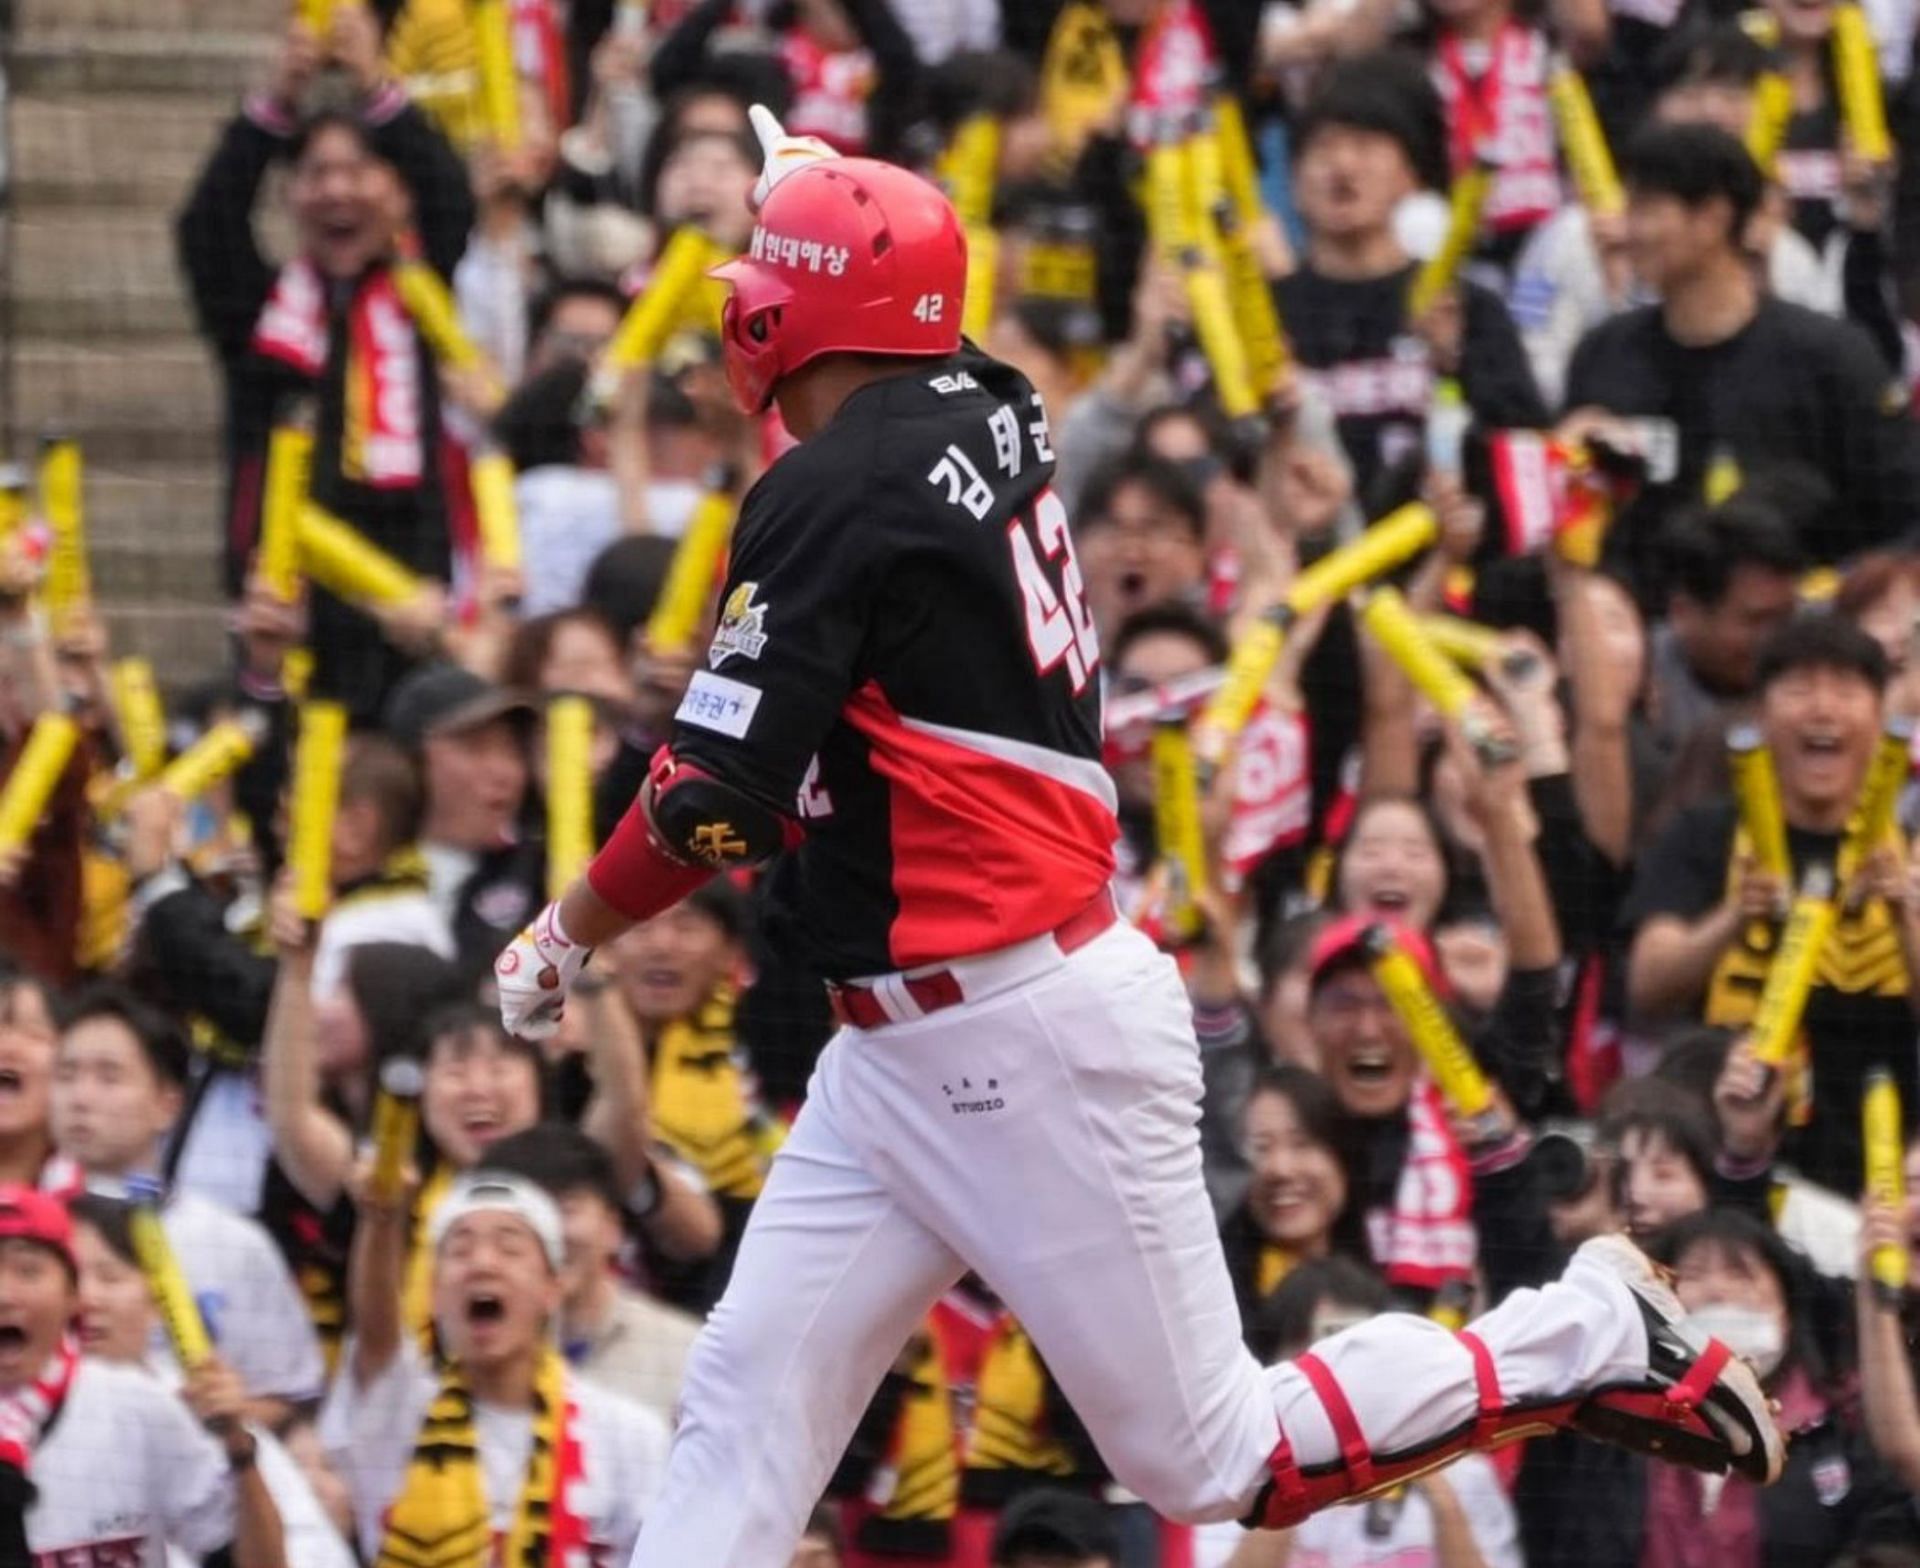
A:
(850, 256)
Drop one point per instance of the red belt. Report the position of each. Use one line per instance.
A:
(859, 1007)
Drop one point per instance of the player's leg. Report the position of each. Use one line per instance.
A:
(831, 1279)
(1055, 1148)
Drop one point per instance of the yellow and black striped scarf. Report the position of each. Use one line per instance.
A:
(1023, 1427)
(705, 1106)
(923, 1464)
(441, 1517)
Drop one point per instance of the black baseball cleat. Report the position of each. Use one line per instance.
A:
(1700, 1405)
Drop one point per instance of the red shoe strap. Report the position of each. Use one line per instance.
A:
(1700, 1378)
(1492, 1405)
(1354, 1451)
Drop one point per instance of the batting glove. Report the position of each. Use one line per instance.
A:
(783, 153)
(533, 976)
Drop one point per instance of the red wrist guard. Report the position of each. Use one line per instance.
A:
(635, 874)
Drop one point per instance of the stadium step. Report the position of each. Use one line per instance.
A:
(65, 61)
(115, 106)
(122, 149)
(168, 20)
(87, 272)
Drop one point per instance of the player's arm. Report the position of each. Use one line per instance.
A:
(720, 794)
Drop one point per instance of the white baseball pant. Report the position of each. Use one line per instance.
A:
(1044, 1133)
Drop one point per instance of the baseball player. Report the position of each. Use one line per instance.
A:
(901, 710)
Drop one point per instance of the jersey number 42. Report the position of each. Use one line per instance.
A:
(1059, 625)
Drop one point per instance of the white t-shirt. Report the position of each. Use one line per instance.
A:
(567, 517)
(228, 1144)
(1337, 1537)
(311, 1539)
(123, 1472)
(253, 1309)
(369, 1433)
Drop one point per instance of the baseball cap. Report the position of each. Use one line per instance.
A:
(27, 1214)
(446, 698)
(1349, 941)
(497, 1192)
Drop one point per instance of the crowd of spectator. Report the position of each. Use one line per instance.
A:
(478, 1360)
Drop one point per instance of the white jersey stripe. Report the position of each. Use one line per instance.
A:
(1081, 773)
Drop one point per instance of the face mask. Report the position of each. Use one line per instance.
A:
(1756, 1337)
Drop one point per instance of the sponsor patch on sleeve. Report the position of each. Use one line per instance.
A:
(714, 702)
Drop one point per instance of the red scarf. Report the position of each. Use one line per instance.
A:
(1272, 792)
(381, 441)
(26, 1413)
(1425, 1239)
(1502, 109)
(830, 92)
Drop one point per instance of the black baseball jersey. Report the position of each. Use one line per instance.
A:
(905, 662)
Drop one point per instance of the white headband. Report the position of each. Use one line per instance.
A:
(496, 1192)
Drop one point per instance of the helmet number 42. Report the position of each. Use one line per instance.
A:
(929, 307)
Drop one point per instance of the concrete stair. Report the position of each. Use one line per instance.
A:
(114, 105)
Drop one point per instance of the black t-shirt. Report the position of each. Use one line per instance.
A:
(1851, 1026)
(905, 665)
(1378, 377)
(1792, 386)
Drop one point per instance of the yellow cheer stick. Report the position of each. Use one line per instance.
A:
(1438, 272)
(1467, 643)
(569, 791)
(1398, 536)
(69, 582)
(36, 774)
(1397, 629)
(222, 751)
(396, 1127)
(342, 560)
(1228, 190)
(1756, 791)
(318, 15)
(696, 562)
(1790, 977)
(1873, 814)
(492, 477)
(13, 498)
(1857, 66)
(430, 303)
(141, 719)
(1588, 156)
(499, 81)
(1237, 164)
(317, 755)
(1176, 825)
(1431, 1030)
(677, 275)
(289, 469)
(1768, 118)
(171, 1293)
(1883, 1147)
(1176, 227)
